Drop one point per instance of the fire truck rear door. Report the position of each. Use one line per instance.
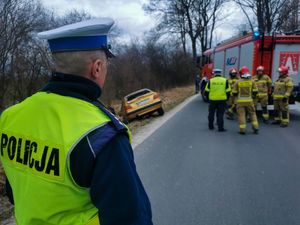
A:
(288, 55)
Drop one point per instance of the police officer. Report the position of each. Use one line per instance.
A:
(231, 103)
(218, 91)
(264, 85)
(68, 160)
(245, 90)
(282, 91)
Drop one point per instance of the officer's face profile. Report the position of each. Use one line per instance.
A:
(259, 72)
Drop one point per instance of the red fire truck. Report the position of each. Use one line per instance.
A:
(252, 50)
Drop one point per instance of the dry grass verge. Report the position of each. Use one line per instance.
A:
(6, 209)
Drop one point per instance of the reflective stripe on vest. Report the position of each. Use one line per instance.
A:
(281, 87)
(262, 95)
(36, 141)
(278, 96)
(262, 86)
(280, 90)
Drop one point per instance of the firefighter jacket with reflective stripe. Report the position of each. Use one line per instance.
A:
(283, 87)
(264, 84)
(244, 90)
(232, 82)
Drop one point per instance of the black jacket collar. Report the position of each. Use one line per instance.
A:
(74, 86)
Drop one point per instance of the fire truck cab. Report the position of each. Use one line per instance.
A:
(253, 50)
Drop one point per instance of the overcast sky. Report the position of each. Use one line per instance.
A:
(129, 14)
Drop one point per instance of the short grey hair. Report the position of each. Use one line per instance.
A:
(76, 63)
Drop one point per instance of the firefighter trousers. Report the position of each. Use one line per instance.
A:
(231, 107)
(264, 105)
(216, 107)
(281, 111)
(242, 110)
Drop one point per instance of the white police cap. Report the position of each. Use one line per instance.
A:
(217, 72)
(83, 36)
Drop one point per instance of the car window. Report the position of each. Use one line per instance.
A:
(137, 94)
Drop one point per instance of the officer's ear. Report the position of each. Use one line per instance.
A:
(98, 72)
(97, 68)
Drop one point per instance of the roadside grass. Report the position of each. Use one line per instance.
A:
(6, 209)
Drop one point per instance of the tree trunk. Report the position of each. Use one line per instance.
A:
(194, 48)
(260, 16)
(268, 17)
(183, 42)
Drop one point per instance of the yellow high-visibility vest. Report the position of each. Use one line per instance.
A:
(217, 89)
(37, 138)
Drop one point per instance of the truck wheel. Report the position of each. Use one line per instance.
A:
(204, 98)
(161, 111)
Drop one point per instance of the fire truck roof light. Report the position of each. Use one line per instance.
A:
(256, 35)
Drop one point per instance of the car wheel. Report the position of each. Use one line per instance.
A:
(161, 112)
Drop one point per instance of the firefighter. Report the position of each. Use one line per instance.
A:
(282, 90)
(245, 90)
(231, 104)
(218, 91)
(264, 85)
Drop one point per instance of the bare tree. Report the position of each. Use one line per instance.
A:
(270, 14)
(209, 12)
(195, 19)
(171, 20)
(292, 23)
(31, 70)
(18, 20)
(20, 63)
(240, 29)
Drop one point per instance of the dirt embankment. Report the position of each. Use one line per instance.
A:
(171, 98)
(6, 209)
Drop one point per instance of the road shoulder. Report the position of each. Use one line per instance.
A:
(147, 130)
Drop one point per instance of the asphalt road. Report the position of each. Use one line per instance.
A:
(199, 177)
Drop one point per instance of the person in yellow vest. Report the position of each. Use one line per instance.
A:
(282, 91)
(245, 90)
(67, 159)
(231, 103)
(218, 90)
(264, 85)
